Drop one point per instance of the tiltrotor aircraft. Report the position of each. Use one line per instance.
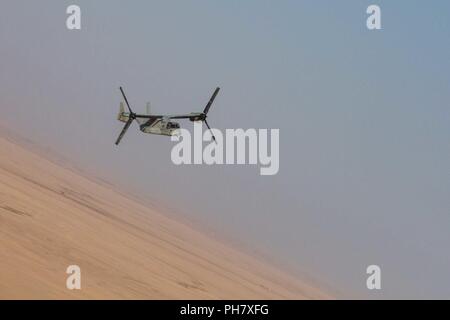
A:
(159, 124)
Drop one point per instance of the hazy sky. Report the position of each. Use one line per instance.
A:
(364, 119)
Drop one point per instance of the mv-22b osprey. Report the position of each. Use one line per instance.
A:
(160, 124)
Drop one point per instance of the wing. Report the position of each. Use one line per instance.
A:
(181, 116)
(147, 121)
(148, 116)
(176, 116)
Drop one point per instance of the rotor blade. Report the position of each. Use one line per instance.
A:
(214, 138)
(126, 100)
(127, 125)
(211, 100)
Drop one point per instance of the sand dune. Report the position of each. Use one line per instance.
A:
(52, 217)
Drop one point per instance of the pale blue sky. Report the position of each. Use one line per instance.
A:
(363, 116)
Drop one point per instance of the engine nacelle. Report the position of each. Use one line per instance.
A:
(123, 116)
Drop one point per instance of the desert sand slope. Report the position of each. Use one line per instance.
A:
(52, 217)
